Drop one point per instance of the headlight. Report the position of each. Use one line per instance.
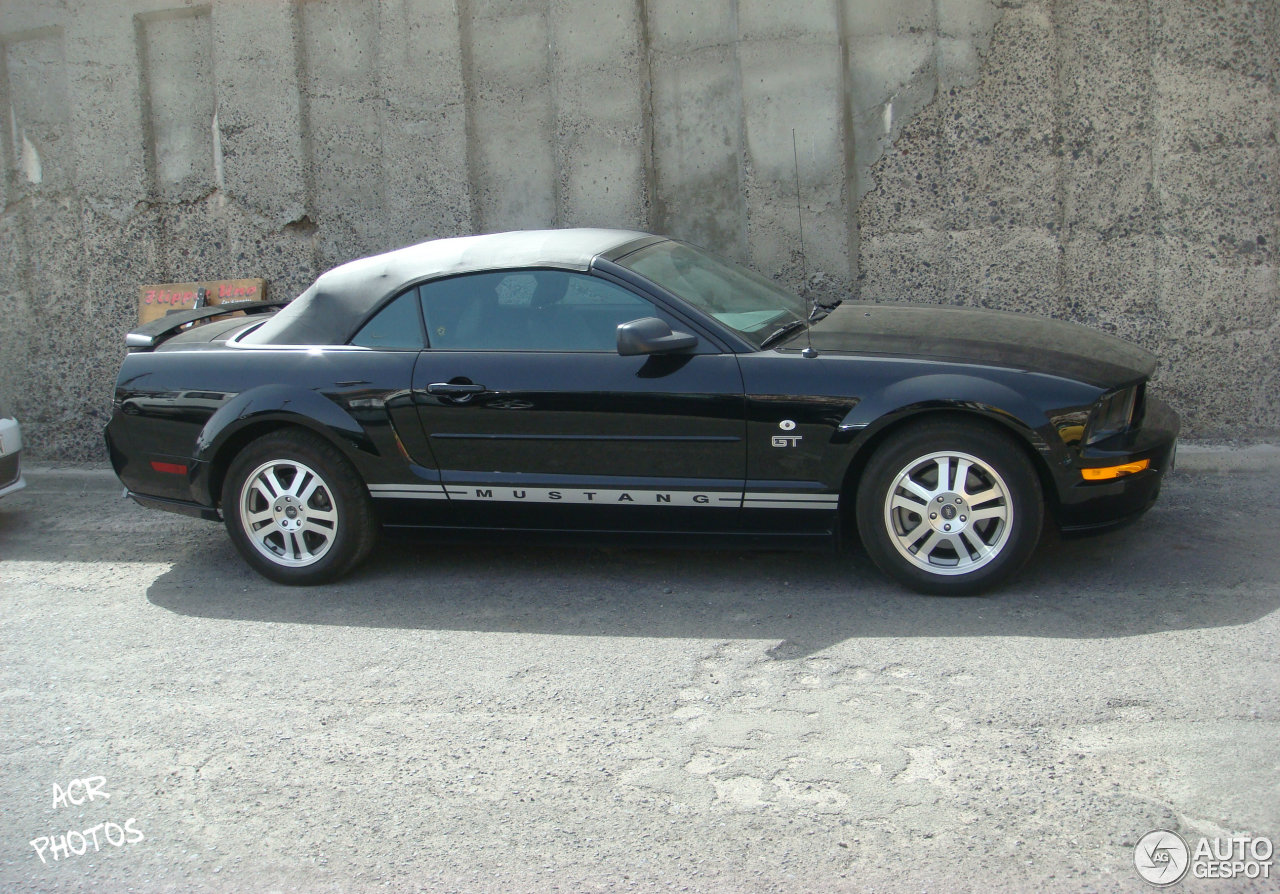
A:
(1113, 414)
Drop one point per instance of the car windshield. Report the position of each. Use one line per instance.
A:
(746, 302)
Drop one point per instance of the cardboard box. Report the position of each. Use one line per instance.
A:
(156, 300)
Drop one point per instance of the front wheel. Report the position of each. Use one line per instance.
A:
(950, 508)
(296, 510)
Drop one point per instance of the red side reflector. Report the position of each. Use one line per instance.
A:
(169, 468)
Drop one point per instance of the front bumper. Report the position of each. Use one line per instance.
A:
(1096, 505)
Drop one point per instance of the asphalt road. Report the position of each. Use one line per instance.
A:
(490, 718)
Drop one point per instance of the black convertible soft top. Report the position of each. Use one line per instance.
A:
(338, 302)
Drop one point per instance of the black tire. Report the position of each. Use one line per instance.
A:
(950, 538)
(296, 509)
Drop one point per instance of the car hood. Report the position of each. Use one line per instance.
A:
(986, 337)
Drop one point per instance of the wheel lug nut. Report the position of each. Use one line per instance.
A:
(962, 518)
(933, 515)
(939, 499)
(957, 501)
(946, 527)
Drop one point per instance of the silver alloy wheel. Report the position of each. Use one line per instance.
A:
(948, 513)
(287, 513)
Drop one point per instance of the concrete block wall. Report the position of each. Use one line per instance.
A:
(1108, 161)
(1118, 164)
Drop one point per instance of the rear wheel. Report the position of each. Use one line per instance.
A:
(296, 509)
(950, 508)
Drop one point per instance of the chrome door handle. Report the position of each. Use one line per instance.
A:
(454, 388)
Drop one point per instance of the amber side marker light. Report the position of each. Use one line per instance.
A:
(1106, 473)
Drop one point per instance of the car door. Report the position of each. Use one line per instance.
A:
(535, 419)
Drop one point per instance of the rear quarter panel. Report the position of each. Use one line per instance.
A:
(190, 408)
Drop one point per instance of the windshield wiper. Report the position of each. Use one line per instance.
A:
(782, 332)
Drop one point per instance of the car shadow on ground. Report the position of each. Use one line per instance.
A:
(1169, 572)
(1183, 566)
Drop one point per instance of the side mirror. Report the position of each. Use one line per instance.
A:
(650, 335)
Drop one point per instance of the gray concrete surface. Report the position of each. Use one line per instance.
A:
(476, 718)
(1106, 161)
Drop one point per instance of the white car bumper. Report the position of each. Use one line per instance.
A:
(10, 457)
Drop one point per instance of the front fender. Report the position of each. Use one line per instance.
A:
(279, 404)
(1022, 410)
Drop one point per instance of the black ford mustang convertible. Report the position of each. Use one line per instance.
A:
(592, 382)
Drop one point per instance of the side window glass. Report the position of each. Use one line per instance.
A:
(397, 327)
(529, 310)
(590, 290)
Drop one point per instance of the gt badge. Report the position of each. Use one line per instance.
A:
(787, 440)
